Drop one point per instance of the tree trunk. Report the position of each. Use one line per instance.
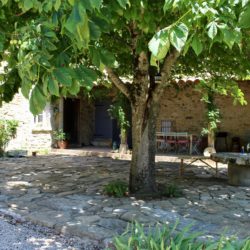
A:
(123, 146)
(142, 171)
(211, 138)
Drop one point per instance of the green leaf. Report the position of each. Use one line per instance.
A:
(28, 4)
(71, 2)
(197, 45)
(167, 5)
(57, 5)
(4, 2)
(107, 58)
(94, 30)
(229, 37)
(77, 24)
(212, 29)
(50, 34)
(62, 75)
(86, 77)
(123, 3)
(96, 4)
(75, 88)
(244, 2)
(53, 86)
(153, 61)
(95, 57)
(178, 36)
(73, 20)
(159, 45)
(26, 87)
(37, 100)
(244, 19)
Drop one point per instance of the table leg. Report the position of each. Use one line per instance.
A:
(191, 145)
(181, 170)
(216, 169)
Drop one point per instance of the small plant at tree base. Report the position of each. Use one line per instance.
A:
(8, 129)
(116, 188)
(164, 237)
(171, 191)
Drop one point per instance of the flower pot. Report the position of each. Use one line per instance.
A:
(62, 144)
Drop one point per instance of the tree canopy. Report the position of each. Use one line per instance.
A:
(57, 47)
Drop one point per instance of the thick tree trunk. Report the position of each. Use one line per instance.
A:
(144, 96)
(142, 171)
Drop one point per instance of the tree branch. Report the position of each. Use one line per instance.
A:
(165, 73)
(118, 82)
(167, 65)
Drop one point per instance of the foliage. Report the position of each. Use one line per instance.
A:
(209, 89)
(60, 135)
(119, 110)
(57, 48)
(171, 191)
(165, 237)
(116, 188)
(8, 130)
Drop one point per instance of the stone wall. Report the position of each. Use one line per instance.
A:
(187, 112)
(182, 107)
(30, 136)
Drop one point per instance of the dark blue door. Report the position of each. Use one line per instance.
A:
(103, 122)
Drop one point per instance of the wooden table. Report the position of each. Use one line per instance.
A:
(193, 159)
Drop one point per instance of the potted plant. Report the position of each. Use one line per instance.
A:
(61, 138)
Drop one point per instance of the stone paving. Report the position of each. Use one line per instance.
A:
(65, 193)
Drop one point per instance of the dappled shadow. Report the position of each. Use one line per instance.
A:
(66, 193)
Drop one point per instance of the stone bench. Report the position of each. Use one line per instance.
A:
(238, 167)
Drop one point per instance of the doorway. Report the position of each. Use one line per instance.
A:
(103, 122)
(71, 119)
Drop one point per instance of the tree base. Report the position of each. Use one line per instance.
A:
(123, 149)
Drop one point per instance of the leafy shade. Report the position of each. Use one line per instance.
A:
(55, 48)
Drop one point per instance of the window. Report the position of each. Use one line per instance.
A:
(42, 121)
(166, 126)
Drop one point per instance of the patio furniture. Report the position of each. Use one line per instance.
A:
(182, 141)
(171, 142)
(160, 141)
(168, 141)
(193, 159)
(197, 140)
(238, 167)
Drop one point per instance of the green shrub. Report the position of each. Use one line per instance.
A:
(171, 191)
(8, 130)
(165, 238)
(116, 188)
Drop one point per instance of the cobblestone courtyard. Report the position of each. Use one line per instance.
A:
(65, 193)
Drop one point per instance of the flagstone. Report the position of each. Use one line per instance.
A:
(66, 193)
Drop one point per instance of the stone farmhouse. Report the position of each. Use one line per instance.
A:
(88, 123)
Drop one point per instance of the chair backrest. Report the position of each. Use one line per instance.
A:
(182, 134)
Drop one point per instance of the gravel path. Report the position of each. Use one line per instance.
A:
(25, 236)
